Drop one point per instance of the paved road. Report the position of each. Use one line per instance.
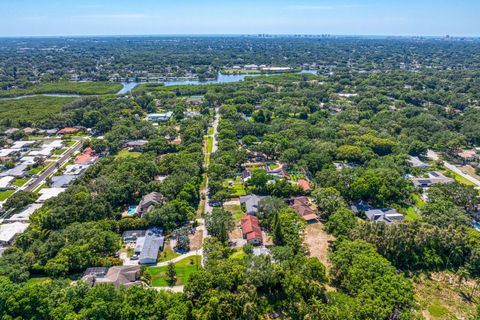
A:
(459, 172)
(434, 156)
(44, 175)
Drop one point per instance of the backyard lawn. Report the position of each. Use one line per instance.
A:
(411, 214)
(184, 269)
(20, 182)
(167, 254)
(237, 189)
(122, 154)
(5, 194)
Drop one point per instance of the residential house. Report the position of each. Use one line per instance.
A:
(251, 203)
(246, 175)
(54, 144)
(47, 193)
(85, 159)
(301, 205)
(75, 169)
(9, 231)
(467, 155)
(132, 235)
(385, 215)
(153, 243)
(18, 172)
(279, 172)
(415, 162)
(148, 202)
(10, 131)
(136, 145)
(22, 145)
(68, 130)
(119, 276)
(251, 230)
(159, 116)
(24, 215)
(43, 152)
(433, 178)
(62, 181)
(5, 183)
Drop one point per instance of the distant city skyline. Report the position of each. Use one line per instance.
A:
(157, 17)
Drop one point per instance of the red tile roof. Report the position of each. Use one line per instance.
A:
(84, 159)
(304, 184)
(67, 130)
(251, 228)
(88, 151)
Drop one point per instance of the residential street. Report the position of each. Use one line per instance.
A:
(44, 175)
(434, 156)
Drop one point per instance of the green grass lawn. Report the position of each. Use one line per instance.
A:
(35, 170)
(209, 144)
(5, 194)
(459, 178)
(122, 154)
(296, 176)
(236, 211)
(210, 131)
(411, 214)
(37, 279)
(70, 143)
(81, 88)
(273, 166)
(238, 255)
(237, 189)
(20, 182)
(184, 269)
(59, 151)
(32, 109)
(167, 254)
(418, 201)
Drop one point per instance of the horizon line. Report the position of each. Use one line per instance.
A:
(260, 34)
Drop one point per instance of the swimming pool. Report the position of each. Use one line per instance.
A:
(131, 210)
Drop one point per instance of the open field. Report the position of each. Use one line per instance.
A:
(32, 109)
(184, 269)
(122, 154)
(318, 241)
(441, 300)
(81, 88)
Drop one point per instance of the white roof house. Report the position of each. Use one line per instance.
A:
(75, 169)
(5, 182)
(48, 193)
(24, 215)
(21, 144)
(9, 231)
(55, 144)
(28, 160)
(6, 152)
(18, 171)
(47, 151)
(417, 163)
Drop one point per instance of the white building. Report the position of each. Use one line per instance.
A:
(24, 215)
(9, 231)
(21, 144)
(5, 182)
(48, 193)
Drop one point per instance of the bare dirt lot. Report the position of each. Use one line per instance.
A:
(317, 241)
(196, 240)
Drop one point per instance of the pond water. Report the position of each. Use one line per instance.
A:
(128, 86)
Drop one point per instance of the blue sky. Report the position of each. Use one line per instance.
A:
(127, 17)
